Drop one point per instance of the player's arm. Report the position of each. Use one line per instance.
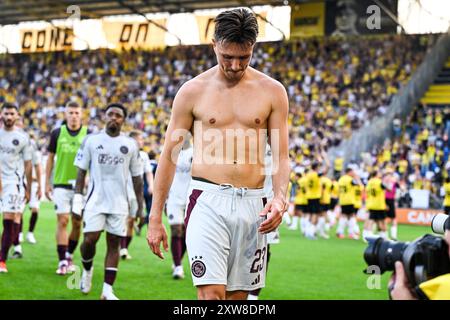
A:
(28, 166)
(38, 170)
(81, 178)
(82, 162)
(138, 186)
(180, 123)
(137, 166)
(50, 163)
(279, 144)
(77, 201)
(48, 175)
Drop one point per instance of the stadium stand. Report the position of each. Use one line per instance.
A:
(334, 85)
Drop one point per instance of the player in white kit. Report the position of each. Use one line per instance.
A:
(176, 206)
(14, 150)
(36, 191)
(132, 199)
(110, 157)
(36, 194)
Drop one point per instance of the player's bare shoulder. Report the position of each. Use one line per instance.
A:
(268, 84)
(190, 91)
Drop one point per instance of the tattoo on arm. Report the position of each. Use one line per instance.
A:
(79, 186)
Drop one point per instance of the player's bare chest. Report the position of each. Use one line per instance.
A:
(239, 108)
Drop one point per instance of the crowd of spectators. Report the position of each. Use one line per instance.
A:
(418, 154)
(335, 85)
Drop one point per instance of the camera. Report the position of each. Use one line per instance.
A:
(423, 259)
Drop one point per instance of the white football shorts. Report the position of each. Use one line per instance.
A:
(222, 238)
(63, 200)
(13, 198)
(115, 224)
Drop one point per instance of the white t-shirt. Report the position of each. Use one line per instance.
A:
(146, 161)
(36, 157)
(180, 184)
(14, 150)
(146, 168)
(110, 161)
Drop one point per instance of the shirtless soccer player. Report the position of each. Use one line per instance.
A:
(231, 110)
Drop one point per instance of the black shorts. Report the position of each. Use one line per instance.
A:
(377, 214)
(314, 206)
(348, 209)
(301, 207)
(333, 203)
(325, 207)
(390, 210)
(447, 210)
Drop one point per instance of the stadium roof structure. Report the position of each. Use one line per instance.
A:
(15, 11)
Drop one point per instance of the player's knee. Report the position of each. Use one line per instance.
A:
(89, 241)
(63, 222)
(177, 230)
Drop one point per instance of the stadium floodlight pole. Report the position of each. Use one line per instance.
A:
(390, 14)
(136, 11)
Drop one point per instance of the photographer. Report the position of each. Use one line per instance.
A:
(434, 289)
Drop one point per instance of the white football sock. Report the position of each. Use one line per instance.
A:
(394, 232)
(294, 222)
(287, 218)
(341, 225)
(321, 225)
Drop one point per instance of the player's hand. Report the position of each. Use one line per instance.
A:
(398, 284)
(48, 191)
(155, 234)
(274, 212)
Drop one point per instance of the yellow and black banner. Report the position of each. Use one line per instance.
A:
(139, 35)
(307, 19)
(48, 39)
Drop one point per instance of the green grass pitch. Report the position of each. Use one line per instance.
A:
(299, 269)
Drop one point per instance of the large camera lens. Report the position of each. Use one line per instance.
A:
(440, 223)
(383, 253)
